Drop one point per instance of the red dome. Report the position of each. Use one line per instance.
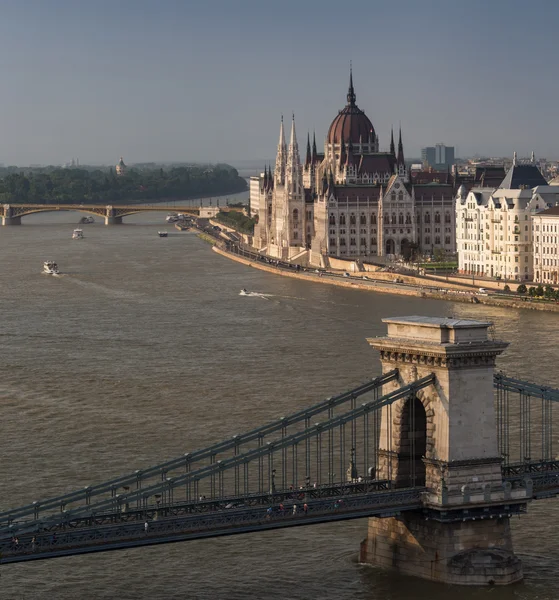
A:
(351, 124)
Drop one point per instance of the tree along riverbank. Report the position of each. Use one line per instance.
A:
(368, 283)
(52, 185)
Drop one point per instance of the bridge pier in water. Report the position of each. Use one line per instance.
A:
(445, 439)
(9, 217)
(111, 217)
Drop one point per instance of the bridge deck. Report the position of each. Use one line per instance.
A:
(165, 529)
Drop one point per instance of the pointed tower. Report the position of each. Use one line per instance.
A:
(279, 171)
(351, 97)
(400, 159)
(392, 147)
(293, 162)
(400, 162)
(308, 158)
(314, 152)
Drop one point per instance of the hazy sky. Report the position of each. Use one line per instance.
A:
(156, 80)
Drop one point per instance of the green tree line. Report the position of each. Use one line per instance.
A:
(236, 220)
(54, 185)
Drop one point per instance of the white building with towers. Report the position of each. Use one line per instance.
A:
(354, 200)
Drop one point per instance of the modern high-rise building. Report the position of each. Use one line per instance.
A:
(438, 156)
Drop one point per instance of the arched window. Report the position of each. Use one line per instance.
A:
(352, 219)
(394, 218)
(363, 219)
(386, 219)
(332, 219)
(342, 219)
(437, 217)
(373, 241)
(427, 218)
(437, 240)
(401, 219)
(400, 196)
(373, 219)
(447, 218)
(393, 196)
(408, 219)
(295, 215)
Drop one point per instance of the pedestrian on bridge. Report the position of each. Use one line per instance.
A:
(146, 527)
(294, 509)
(305, 508)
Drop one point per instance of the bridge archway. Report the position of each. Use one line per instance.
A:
(412, 444)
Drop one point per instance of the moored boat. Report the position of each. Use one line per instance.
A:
(163, 233)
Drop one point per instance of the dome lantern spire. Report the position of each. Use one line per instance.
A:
(351, 92)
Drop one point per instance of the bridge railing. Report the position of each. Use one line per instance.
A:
(29, 546)
(154, 481)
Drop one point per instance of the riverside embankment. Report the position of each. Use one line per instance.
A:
(446, 291)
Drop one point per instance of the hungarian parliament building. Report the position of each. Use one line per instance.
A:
(351, 200)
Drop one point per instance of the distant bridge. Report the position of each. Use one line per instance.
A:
(12, 214)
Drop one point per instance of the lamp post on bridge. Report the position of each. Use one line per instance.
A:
(273, 484)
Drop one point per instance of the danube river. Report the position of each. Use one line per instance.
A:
(143, 350)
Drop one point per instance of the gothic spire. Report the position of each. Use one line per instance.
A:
(400, 150)
(308, 158)
(351, 92)
(293, 162)
(293, 138)
(392, 148)
(281, 156)
(314, 152)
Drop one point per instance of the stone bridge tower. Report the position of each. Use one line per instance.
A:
(445, 438)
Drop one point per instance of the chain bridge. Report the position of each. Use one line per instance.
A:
(438, 453)
(12, 214)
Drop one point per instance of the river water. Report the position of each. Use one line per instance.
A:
(144, 350)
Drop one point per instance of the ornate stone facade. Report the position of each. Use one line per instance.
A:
(352, 200)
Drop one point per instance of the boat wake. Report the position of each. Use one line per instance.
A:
(255, 294)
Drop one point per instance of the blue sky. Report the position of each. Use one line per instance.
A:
(208, 79)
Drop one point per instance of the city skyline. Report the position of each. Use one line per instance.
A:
(163, 82)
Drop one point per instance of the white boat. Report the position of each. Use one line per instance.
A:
(172, 218)
(87, 220)
(163, 233)
(78, 234)
(50, 268)
(243, 292)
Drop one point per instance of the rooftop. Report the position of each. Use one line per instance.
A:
(437, 322)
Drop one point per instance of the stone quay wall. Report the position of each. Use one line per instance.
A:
(453, 292)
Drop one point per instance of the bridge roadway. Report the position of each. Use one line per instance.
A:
(256, 512)
(203, 519)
